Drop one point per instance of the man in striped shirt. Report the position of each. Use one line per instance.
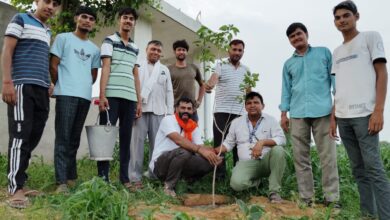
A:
(228, 76)
(119, 89)
(25, 66)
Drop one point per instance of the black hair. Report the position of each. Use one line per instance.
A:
(181, 43)
(155, 42)
(237, 41)
(128, 11)
(185, 100)
(294, 26)
(348, 5)
(58, 2)
(251, 95)
(85, 10)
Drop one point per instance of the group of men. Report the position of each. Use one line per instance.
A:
(152, 100)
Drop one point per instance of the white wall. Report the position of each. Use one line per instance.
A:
(46, 146)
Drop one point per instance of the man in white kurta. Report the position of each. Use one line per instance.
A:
(157, 101)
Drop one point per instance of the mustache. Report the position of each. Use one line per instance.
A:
(181, 114)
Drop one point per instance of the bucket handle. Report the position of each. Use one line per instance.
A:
(108, 119)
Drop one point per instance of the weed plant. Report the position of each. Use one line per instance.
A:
(94, 199)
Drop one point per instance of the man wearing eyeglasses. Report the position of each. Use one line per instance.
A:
(73, 67)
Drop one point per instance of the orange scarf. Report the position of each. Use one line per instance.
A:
(188, 127)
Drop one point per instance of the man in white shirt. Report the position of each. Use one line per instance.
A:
(259, 139)
(359, 65)
(179, 149)
(157, 101)
(228, 76)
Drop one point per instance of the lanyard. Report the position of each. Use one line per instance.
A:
(252, 131)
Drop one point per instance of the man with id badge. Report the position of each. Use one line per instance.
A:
(259, 139)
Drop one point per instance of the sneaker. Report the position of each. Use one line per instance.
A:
(168, 191)
(62, 189)
(274, 197)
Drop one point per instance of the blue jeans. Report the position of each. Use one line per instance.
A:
(71, 113)
(367, 167)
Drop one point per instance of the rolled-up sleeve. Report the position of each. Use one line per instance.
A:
(230, 140)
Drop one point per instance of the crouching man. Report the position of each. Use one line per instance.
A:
(259, 139)
(179, 150)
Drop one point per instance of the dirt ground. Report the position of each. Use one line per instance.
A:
(229, 211)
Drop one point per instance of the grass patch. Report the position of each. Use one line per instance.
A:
(94, 199)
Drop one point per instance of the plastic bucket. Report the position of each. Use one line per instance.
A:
(101, 140)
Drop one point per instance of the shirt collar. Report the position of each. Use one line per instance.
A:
(261, 117)
(230, 63)
(295, 54)
(35, 18)
(120, 38)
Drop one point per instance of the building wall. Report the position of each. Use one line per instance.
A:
(142, 35)
(6, 13)
(46, 146)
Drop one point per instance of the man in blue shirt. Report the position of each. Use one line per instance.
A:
(73, 67)
(306, 95)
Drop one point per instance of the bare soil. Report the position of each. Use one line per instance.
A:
(199, 206)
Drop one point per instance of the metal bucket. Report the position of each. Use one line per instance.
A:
(101, 140)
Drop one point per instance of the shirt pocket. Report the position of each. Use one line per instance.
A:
(263, 134)
(162, 79)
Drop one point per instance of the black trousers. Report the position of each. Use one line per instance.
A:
(26, 121)
(71, 113)
(172, 165)
(221, 121)
(124, 110)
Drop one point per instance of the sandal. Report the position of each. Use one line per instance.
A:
(169, 191)
(18, 201)
(275, 198)
(135, 186)
(31, 192)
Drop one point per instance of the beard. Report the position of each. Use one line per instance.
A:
(235, 59)
(84, 30)
(181, 114)
(181, 58)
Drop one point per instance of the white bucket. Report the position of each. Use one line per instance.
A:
(101, 140)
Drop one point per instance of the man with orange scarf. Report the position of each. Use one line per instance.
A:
(179, 149)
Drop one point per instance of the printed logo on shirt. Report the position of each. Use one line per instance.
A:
(81, 54)
(357, 108)
(344, 59)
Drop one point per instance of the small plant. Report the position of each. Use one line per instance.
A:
(182, 216)
(251, 212)
(148, 214)
(249, 82)
(95, 199)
